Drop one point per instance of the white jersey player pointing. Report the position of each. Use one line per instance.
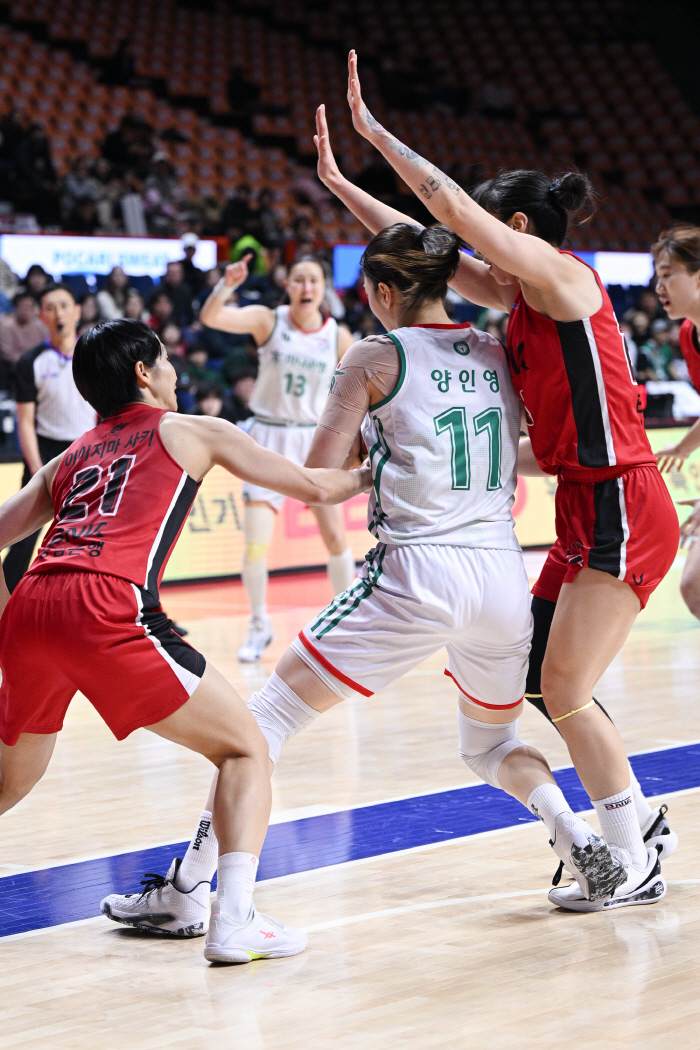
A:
(441, 422)
(298, 349)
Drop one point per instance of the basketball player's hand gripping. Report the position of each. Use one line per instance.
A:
(237, 273)
(691, 526)
(327, 169)
(362, 119)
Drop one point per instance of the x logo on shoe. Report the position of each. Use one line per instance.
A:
(267, 933)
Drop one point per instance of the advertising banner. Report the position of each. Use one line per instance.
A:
(138, 256)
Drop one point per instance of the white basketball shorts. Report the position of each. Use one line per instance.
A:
(291, 442)
(408, 602)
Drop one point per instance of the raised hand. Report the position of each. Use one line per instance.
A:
(362, 119)
(327, 169)
(237, 273)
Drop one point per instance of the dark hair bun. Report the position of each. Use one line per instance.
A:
(573, 190)
(419, 262)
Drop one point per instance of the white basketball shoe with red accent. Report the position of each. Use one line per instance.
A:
(259, 937)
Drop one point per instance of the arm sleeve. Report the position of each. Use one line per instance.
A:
(368, 367)
(25, 385)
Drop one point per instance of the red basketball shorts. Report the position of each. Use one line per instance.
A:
(626, 526)
(67, 631)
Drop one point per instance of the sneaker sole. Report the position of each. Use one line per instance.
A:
(654, 890)
(148, 924)
(214, 953)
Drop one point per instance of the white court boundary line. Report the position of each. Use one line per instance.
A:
(287, 816)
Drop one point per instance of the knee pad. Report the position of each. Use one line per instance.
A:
(484, 745)
(280, 713)
(254, 552)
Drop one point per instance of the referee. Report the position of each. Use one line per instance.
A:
(51, 414)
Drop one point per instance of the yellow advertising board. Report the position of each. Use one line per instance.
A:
(211, 544)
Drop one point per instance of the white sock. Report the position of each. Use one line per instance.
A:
(620, 827)
(547, 802)
(341, 570)
(199, 863)
(280, 713)
(254, 575)
(236, 881)
(640, 803)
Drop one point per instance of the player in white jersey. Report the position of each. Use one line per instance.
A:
(299, 348)
(441, 422)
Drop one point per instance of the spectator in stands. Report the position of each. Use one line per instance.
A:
(129, 146)
(36, 280)
(79, 185)
(639, 322)
(37, 185)
(656, 354)
(211, 401)
(83, 218)
(194, 277)
(677, 367)
(270, 231)
(171, 338)
(111, 299)
(134, 306)
(241, 360)
(160, 310)
(649, 302)
(174, 284)
(238, 214)
(22, 329)
(89, 313)
(210, 280)
(161, 196)
(51, 414)
(241, 393)
(9, 286)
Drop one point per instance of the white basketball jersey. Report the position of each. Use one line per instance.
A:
(443, 445)
(296, 368)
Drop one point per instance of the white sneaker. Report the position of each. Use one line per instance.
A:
(657, 833)
(259, 636)
(260, 937)
(587, 857)
(639, 887)
(161, 907)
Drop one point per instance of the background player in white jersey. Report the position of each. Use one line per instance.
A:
(299, 349)
(441, 422)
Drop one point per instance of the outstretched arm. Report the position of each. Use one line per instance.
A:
(472, 280)
(257, 321)
(531, 259)
(24, 513)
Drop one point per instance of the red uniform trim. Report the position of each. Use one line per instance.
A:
(465, 324)
(598, 473)
(480, 703)
(333, 670)
(307, 331)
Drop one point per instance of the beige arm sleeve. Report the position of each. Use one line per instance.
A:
(368, 372)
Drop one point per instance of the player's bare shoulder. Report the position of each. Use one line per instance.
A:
(192, 441)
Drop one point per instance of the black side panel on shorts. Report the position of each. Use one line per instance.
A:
(159, 626)
(542, 616)
(592, 449)
(172, 527)
(608, 534)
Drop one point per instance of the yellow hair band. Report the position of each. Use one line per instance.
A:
(575, 712)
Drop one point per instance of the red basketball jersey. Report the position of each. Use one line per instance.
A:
(690, 348)
(120, 502)
(576, 381)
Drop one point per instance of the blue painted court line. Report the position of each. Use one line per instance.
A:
(35, 900)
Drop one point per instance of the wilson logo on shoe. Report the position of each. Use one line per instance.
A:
(202, 833)
(267, 934)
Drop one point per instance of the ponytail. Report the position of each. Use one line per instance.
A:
(548, 203)
(418, 262)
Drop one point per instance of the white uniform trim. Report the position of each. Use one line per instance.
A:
(588, 328)
(187, 679)
(625, 530)
(161, 530)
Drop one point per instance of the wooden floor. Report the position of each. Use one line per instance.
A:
(446, 946)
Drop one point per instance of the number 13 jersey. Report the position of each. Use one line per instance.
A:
(443, 445)
(296, 368)
(120, 502)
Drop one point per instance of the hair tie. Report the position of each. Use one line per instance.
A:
(554, 187)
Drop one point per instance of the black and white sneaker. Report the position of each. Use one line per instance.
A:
(657, 833)
(161, 907)
(587, 856)
(639, 887)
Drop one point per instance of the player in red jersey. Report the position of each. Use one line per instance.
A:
(119, 497)
(677, 260)
(617, 530)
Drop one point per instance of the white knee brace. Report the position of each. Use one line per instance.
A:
(484, 745)
(280, 713)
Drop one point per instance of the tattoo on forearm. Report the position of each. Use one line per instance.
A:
(452, 186)
(374, 124)
(425, 191)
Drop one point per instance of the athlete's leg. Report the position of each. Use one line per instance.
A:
(258, 524)
(593, 617)
(690, 580)
(22, 766)
(341, 563)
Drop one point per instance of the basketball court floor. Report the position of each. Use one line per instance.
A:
(423, 891)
